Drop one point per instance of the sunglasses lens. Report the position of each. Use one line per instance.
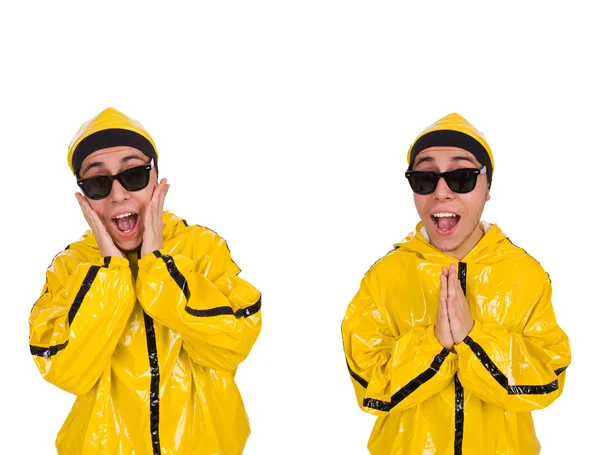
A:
(96, 187)
(423, 182)
(136, 178)
(462, 180)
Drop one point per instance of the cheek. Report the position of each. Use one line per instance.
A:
(144, 196)
(99, 207)
(474, 203)
(420, 203)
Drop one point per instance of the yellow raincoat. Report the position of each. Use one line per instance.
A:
(477, 399)
(150, 346)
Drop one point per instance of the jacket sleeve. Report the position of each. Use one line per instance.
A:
(517, 371)
(391, 372)
(216, 312)
(76, 323)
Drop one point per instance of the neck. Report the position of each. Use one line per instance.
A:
(467, 245)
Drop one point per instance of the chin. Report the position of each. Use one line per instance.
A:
(447, 246)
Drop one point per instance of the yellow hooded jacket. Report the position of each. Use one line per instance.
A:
(152, 357)
(149, 345)
(477, 398)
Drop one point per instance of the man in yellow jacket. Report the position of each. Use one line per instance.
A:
(145, 318)
(451, 339)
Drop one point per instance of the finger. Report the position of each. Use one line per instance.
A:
(92, 213)
(159, 194)
(84, 210)
(155, 206)
(443, 311)
(158, 188)
(161, 202)
(154, 193)
(444, 286)
(451, 282)
(451, 308)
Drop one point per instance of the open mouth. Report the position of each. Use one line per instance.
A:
(445, 222)
(126, 223)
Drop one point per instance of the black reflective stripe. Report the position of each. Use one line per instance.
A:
(410, 387)
(154, 383)
(47, 352)
(459, 415)
(559, 371)
(357, 378)
(85, 287)
(503, 380)
(175, 273)
(185, 223)
(462, 276)
(459, 393)
(226, 310)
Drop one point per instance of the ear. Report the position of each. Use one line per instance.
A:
(487, 196)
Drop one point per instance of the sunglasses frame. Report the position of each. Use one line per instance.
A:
(148, 167)
(439, 175)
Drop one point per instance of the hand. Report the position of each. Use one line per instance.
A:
(105, 242)
(442, 324)
(152, 239)
(459, 313)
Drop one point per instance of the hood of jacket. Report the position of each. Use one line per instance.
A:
(490, 246)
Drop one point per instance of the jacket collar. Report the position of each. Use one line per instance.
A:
(418, 242)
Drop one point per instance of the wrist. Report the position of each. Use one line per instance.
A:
(150, 249)
(473, 334)
(111, 252)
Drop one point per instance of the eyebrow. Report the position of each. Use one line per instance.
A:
(464, 158)
(429, 159)
(132, 157)
(101, 164)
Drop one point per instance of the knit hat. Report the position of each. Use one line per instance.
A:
(454, 130)
(109, 128)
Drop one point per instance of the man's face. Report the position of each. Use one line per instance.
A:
(121, 212)
(457, 234)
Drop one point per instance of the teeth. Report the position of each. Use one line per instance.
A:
(123, 216)
(442, 214)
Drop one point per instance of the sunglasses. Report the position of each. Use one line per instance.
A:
(133, 179)
(459, 181)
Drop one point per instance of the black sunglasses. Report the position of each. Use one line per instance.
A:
(132, 179)
(459, 181)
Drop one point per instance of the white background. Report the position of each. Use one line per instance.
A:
(284, 127)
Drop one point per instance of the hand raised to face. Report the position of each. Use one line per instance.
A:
(153, 223)
(105, 242)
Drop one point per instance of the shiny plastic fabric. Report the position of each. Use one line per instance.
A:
(149, 346)
(477, 398)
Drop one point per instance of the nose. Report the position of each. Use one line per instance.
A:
(118, 194)
(442, 191)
